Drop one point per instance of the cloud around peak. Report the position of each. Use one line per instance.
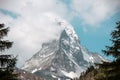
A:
(32, 27)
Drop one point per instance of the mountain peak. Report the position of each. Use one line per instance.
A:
(59, 59)
(62, 23)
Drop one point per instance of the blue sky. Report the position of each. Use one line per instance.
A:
(9, 13)
(92, 20)
(96, 39)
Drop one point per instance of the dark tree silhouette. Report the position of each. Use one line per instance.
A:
(111, 70)
(114, 50)
(7, 62)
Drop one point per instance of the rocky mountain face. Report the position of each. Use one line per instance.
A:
(62, 58)
(24, 75)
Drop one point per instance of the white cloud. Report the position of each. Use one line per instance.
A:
(32, 28)
(34, 6)
(95, 11)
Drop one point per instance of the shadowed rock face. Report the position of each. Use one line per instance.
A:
(63, 58)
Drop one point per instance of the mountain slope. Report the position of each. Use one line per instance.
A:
(62, 58)
(24, 75)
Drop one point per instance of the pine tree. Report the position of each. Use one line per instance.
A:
(111, 70)
(114, 50)
(7, 62)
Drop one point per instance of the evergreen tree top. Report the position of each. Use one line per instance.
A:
(4, 44)
(114, 50)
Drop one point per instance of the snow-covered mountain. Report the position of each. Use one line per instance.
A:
(62, 58)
